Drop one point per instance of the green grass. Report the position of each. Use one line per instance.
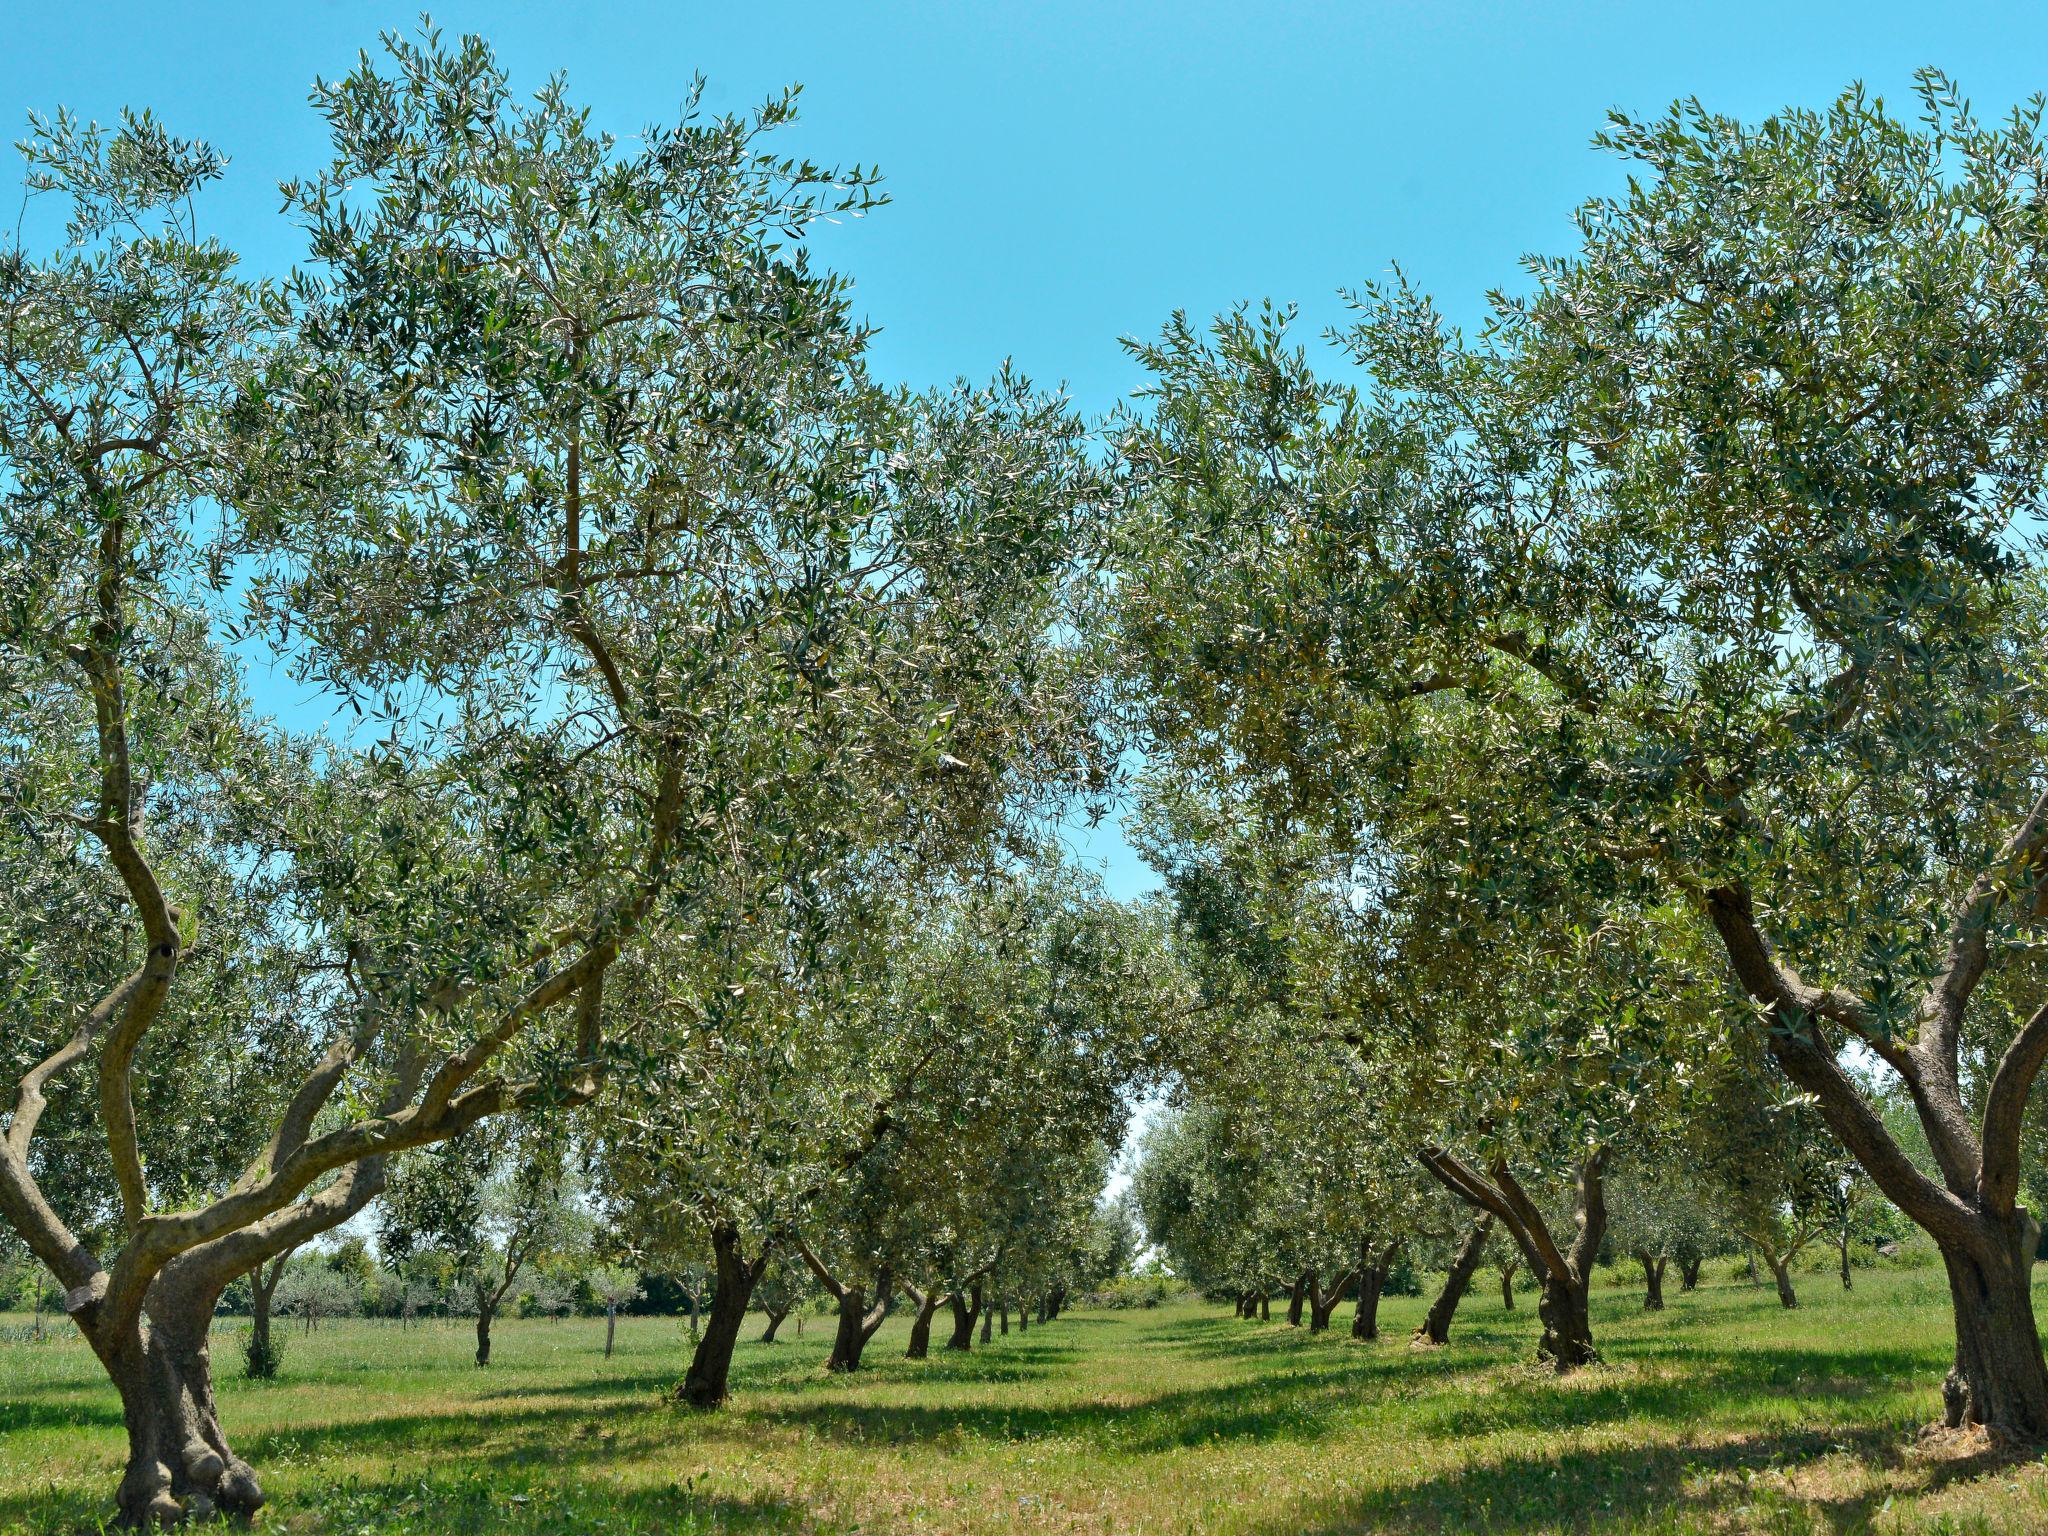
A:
(1724, 1413)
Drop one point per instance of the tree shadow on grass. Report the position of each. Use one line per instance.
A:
(523, 1500)
(1624, 1487)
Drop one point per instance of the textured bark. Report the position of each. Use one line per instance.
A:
(1004, 1310)
(1969, 1205)
(988, 1323)
(1507, 1283)
(1436, 1324)
(1297, 1295)
(858, 1322)
(1781, 1276)
(483, 1334)
(179, 1463)
(1563, 1274)
(706, 1382)
(1842, 1249)
(1998, 1379)
(927, 1303)
(1321, 1302)
(1689, 1273)
(775, 1317)
(1374, 1265)
(611, 1326)
(1653, 1280)
(966, 1312)
(1265, 1307)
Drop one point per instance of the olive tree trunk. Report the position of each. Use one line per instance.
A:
(1436, 1323)
(1374, 1265)
(1653, 1280)
(706, 1383)
(921, 1322)
(1564, 1274)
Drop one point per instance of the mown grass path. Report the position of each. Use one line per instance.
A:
(1724, 1413)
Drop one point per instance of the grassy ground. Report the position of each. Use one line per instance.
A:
(1722, 1414)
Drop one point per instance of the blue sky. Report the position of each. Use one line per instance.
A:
(1068, 173)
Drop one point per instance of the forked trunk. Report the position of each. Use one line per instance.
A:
(1567, 1341)
(1023, 1317)
(483, 1333)
(1436, 1325)
(1373, 1269)
(966, 1312)
(775, 1317)
(1780, 1266)
(705, 1383)
(1265, 1307)
(1507, 1283)
(1322, 1303)
(858, 1322)
(1689, 1273)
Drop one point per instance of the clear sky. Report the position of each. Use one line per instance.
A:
(1068, 173)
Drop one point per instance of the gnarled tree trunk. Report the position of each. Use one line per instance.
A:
(1689, 1273)
(1373, 1268)
(1321, 1303)
(1564, 1275)
(1297, 1295)
(706, 1382)
(775, 1317)
(927, 1303)
(1436, 1323)
(1653, 1280)
(1507, 1283)
(966, 1312)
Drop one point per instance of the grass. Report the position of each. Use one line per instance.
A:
(1722, 1414)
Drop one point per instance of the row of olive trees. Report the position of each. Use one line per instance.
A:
(1629, 715)
(658, 638)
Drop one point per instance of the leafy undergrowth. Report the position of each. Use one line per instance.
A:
(1724, 1413)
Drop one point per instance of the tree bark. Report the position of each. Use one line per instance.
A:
(858, 1322)
(775, 1317)
(483, 1332)
(611, 1326)
(1998, 1379)
(1653, 1280)
(1842, 1248)
(1564, 1275)
(988, 1323)
(1373, 1268)
(1265, 1307)
(1436, 1324)
(179, 1463)
(966, 1312)
(705, 1384)
(1689, 1273)
(1321, 1303)
(1297, 1295)
(1781, 1276)
(262, 1287)
(921, 1323)
(1004, 1309)
(1507, 1283)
